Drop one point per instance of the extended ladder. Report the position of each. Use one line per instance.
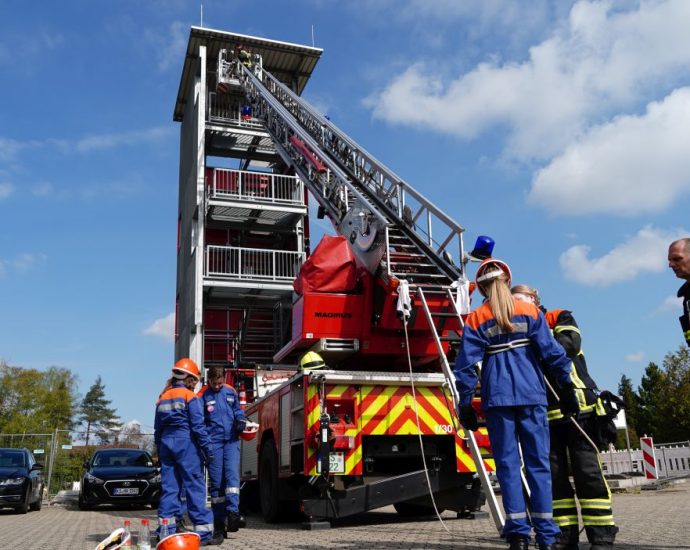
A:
(496, 512)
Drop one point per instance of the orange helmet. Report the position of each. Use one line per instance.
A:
(188, 367)
(484, 274)
(180, 541)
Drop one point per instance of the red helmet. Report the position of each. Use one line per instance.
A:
(250, 431)
(186, 366)
(180, 541)
(484, 274)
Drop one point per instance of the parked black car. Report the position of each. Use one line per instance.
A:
(120, 476)
(21, 480)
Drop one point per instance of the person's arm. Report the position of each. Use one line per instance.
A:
(471, 353)
(196, 419)
(157, 429)
(551, 353)
(238, 414)
(567, 334)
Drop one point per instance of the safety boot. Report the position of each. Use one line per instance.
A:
(219, 526)
(518, 542)
(216, 540)
(243, 521)
(233, 522)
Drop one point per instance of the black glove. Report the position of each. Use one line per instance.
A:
(568, 402)
(468, 418)
(611, 402)
(240, 424)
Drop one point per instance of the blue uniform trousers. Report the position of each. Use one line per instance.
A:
(224, 477)
(181, 469)
(528, 426)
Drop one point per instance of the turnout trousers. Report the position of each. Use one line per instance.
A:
(181, 470)
(527, 426)
(590, 485)
(224, 477)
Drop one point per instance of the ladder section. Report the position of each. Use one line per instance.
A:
(354, 190)
(435, 318)
(257, 337)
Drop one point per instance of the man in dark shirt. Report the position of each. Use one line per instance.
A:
(679, 262)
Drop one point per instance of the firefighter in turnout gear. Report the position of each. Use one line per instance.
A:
(183, 446)
(224, 421)
(512, 340)
(569, 446)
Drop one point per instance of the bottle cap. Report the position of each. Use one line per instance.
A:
(127, 522)
(145, 522)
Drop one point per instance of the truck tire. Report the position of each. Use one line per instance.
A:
(268, 482)
(409, 510)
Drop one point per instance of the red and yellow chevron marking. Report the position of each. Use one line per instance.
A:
(390, 410)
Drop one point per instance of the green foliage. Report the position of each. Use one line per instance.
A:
(33, 401)
(96, 413)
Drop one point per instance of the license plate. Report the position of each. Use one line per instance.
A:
(336, 463)
(118, 491)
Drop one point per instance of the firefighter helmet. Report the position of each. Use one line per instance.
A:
(180, 541)
(488, 270)
(249, 431)
(311, 360)
(186, 367)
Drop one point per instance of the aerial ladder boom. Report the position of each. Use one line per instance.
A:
(389, 224)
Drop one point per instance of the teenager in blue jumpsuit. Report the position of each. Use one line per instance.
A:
(224, 420)
(511, 339)
(183, 445)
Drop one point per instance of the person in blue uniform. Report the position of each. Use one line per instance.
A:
(224, 420)
(183, 445)
(512, 341)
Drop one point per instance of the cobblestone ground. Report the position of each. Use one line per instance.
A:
(648, 520)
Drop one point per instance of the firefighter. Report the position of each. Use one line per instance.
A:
(244, 56)
(183, 445)
(311, 361)
(224, 420)
(511, 339)
(569, 446)
(679, 262)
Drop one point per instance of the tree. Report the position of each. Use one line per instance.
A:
(652, 393)
(96, 412)
(632, 405)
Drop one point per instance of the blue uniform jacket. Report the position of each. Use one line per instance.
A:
(512, 377)
(179, 413)
(224, 417)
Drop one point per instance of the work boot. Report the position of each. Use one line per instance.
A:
(518, 542)
(233, 522)
(243, 521)
(219, 526)
(216, 540)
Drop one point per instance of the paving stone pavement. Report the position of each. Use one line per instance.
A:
(650, 520)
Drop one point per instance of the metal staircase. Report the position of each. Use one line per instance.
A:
(256, 342)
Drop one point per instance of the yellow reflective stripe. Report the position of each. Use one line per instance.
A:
(564, 503)
(592, 501)
(601, 411)
(563, 521)
(561, 328)
(598, 520)
(554, 414)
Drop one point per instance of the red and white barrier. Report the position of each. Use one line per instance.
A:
(649, 458)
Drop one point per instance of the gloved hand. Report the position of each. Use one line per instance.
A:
(568, 402)
(468, 418)
(240, 424)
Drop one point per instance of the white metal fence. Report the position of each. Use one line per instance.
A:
(252, 263)
(673, 459)
(224, 108)
(251, 186)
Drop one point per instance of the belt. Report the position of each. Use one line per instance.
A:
(500, 348)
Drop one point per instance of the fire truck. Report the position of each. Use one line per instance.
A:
(381, 303)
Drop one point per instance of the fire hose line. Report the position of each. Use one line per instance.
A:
(419, 430)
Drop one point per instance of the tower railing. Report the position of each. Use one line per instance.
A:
(255, 186)
(252, 264)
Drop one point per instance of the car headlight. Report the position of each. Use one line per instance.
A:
(93, 479)
(156, 479)
(12, 481)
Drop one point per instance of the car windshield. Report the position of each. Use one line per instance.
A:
(9, 458)
(121, 458)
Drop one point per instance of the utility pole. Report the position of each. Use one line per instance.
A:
(53, 449)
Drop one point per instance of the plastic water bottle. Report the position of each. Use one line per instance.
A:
(164, 529)
(145, 535)
(128, 535)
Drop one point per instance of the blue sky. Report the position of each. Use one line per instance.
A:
(561, 129)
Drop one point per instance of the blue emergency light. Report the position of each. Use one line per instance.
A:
(483, 248)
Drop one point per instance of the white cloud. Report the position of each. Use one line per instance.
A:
(22, 263)
(671, 303)
(111, 141)
(169, 48)
(630, 165)
(602, 59)
(6, 189)
(644, 252)
(636, 357)
(163, 327)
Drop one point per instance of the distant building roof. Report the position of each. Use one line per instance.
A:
(291, 63)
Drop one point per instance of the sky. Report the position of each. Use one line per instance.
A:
(559, 128)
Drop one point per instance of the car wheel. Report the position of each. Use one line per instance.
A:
(36, 506)
(23, 508)
(268, 482)
(83, 505)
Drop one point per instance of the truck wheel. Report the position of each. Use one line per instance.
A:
(36, 506)
(409, 510)
(268, 482)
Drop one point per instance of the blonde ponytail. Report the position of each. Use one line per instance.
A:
(501, 301)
